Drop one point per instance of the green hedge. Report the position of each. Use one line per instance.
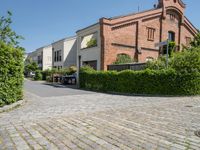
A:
(11, 74)
(38, 75)
(159, 82)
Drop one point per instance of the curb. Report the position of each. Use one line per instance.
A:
(10, 107)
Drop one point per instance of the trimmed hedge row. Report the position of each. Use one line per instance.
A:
(11, 74)
(159, 82)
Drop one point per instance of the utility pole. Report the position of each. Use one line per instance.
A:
(167, 57)
(138, 8)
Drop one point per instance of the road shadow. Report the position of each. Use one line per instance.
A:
(58, 85)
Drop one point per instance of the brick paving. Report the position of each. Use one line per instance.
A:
(94, 121)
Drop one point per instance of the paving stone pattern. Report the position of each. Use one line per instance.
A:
(94, 121)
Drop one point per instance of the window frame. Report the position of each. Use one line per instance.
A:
(151, 33)
(173, 37)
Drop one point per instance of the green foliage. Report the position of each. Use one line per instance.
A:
(7, 35)
(11, 61)
(123, 59)
(159, 82)
(38, 75)
(158, 64)
(72, 70)
(196, 41)
(91, 43)
(48, 74)
(171, 48)
(187, 61)
(31, 67)
(11, 73)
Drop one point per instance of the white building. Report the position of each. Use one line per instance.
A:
(89, 47)
(43, 57)
(64, 53)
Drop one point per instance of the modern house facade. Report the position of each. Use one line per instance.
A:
(42, 56)
(89, 54)
(64, 53)
(60, 54)
(134, 35)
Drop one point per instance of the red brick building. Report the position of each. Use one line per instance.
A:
(136, 34)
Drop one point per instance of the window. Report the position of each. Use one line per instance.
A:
(188, 41)
(60, 56)
(172, 17)
(151, 34)
(171, 36)
(39, 59)
(57, 56)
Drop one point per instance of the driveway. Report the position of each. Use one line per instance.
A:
(57, 117)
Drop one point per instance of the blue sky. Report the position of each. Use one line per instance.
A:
(41, 22)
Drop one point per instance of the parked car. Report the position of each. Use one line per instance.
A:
(32, 74)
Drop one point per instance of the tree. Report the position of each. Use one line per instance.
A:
(187, 61)
(38, 75)
(123, 59)
(11, 63)
(32, 66)
(196, 41)
(7, 35)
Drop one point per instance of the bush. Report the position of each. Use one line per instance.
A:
(91, 43)
(72, 70)
(161, 82)
(123, 59)
(187, 61)
(11, 73)
(38, 75)
(171, 48)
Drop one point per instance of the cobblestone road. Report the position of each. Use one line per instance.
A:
(94, 121)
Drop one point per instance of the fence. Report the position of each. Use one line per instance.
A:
(135, 66)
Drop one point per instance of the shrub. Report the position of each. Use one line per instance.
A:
(171, 48)
(123, 59)
(162, 82)
(38, 75)
(91, 43)
(31, 67)
(187, 61)
(11, 73)
(158, 64)
(196, 41)
(49, 79)
(72, 70)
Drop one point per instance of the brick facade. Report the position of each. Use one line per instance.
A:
(129, 34)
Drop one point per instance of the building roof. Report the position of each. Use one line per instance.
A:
(131, 14)
(65, 39)
(87, 27)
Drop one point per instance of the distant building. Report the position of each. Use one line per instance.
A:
(43, 57)
(60, 54)
(134, 35)
(64, 53)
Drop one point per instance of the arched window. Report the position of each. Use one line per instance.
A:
(171, 36)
